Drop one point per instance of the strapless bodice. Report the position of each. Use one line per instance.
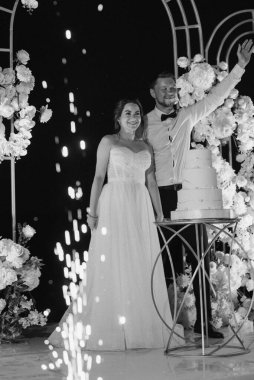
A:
(128, 166)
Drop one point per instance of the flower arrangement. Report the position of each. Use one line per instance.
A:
(234, 119)
(30, 5)
(187, 316)
(15, 87)
(19, 274)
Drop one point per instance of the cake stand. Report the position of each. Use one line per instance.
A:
(202, 347)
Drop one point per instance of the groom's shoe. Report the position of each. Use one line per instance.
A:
(212, 332)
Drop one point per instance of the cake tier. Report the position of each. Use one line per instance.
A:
(198, 158)
(195, 199)
(199, 178)
(202, 214)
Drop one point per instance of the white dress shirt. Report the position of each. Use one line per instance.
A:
(170, 139)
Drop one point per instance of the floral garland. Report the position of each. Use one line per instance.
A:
(15, 87)
(234, 119)
(19, 274)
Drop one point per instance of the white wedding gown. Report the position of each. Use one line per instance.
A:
(122, 253)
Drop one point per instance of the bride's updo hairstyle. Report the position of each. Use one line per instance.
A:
(118, 112)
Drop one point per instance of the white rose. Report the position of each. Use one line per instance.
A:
(24, 123)
(28, 231)
(241, 181)
(229, 103)
(198, 58)
(7, 277)
(223, 65)
(23, 100)
(183, 62)
(213, 267)
(186, 100)
(23, 56)
(234, 93)
(23, 73)
(9, 76)
(32, 4)
(5, 109)
(31, 278)
(222, 75)
(198, 94)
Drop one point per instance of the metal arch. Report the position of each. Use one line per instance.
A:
(186, 27)
(171, 20)
(221, 23)
(9, 50)
(234, 42)
(227, 35)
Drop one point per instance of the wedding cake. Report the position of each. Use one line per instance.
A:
(199, 196)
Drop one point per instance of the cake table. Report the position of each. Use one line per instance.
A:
(203, 346)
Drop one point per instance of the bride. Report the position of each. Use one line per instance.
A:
(124, 244)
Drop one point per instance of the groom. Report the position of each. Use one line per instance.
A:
(168, 132)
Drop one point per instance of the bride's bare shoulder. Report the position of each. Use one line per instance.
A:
(108, 140)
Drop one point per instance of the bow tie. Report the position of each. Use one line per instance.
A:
(165, 116)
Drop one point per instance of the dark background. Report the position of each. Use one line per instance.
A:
(125, 45)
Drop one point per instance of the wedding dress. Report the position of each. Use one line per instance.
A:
(122, 253)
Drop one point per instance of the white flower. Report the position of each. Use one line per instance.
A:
(7, 276)
(24, 123)
(220, 255)
(213, 267)
(241, 181)
(223, 65)
(222, 75)
(198, 94)
(46, 114)
(24, 322)
(229, 103)
(189, 300)
(28, 231)
(2, 304)
(183, 62)
(23, 57)
(28, 112)
(201, 76)
(24, 74)
(250, 285)
(26, 304)
(30, 278)
(234, 93)
(6, 110)
(186, 100)
(9, 76)
(198, 58)
(30, 4)
(217, 322)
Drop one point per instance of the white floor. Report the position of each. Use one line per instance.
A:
(23, 361)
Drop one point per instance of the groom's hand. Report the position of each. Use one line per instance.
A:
(244, 52)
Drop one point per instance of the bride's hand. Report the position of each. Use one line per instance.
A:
(159, 218)
(92, 221)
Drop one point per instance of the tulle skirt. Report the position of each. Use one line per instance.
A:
(122, 253)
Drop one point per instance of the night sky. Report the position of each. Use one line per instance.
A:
(125, 44)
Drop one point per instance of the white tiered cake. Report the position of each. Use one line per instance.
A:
(199, 196)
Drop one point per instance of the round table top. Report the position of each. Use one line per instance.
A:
(168, 222)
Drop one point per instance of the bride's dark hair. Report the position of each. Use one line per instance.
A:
(118, 112)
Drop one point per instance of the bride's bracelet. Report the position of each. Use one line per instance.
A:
(91, 216)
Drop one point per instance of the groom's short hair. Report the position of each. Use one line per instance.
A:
(162, 74)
